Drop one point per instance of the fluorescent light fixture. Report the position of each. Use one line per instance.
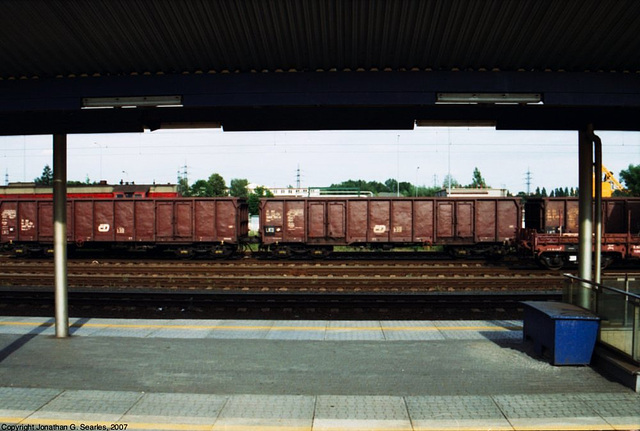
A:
(131, 102)
(456, 123)
(191, 125)
(488, 98)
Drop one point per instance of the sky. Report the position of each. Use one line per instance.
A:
(423, 156)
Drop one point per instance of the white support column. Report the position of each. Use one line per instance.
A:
(60, 234)
(585, 184)
(597, 215)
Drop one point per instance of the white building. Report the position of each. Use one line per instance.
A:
(472, 193)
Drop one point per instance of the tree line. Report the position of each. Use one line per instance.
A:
(215, 185)
(407, 189)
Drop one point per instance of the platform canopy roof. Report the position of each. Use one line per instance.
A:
(314, 64)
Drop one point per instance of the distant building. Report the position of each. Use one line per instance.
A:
(101, 190)
(289, 191)
(461, 192)
(300, 192)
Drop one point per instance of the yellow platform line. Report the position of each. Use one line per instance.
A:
(26, 424)
(61, 424)
(270, 328)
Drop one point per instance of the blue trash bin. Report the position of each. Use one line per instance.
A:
(566, 332)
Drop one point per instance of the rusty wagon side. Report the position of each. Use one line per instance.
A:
(316, 225)
(200, 225)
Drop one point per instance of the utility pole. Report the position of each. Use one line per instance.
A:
(528, 178)
(398, 167)
(183, 181)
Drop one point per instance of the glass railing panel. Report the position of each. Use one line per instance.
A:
(617, 304)
(616, 320)
(629, 284)
(636, 334)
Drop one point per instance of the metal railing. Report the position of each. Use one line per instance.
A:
(617, 307)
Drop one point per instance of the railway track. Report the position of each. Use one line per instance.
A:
(278, 276)
(276, 305)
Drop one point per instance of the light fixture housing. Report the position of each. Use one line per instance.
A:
(131, 102)
(191, 125)
(498, 98)
(455, 123)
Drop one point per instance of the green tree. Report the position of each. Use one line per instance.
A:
(391, 185)
(631, 179)
(200, 188)
(183, 187)
(217, 185)
(449, 181)
(254, 198)
(424, 191)
(239, 188)
(375, 187)
(478, 181)
(46, 179)
(406, 188)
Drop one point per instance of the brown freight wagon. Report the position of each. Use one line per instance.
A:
(462, 226)
(204, 225)
(552, 228)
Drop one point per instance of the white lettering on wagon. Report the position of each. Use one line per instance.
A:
(291, 217)
(379, 228)
(8, 215)
(272, 215)
(104, 227)
(26, 224)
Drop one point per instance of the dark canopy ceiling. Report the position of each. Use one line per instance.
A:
(359, 64)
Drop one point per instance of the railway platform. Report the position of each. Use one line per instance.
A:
(116, 374)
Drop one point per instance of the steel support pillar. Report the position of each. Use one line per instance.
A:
(597, 208)
(60, 234)
(585, 184)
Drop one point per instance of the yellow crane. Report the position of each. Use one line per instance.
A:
(609, 183)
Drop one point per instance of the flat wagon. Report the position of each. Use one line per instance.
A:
(462, 226)
(182, 225)
(552, 229)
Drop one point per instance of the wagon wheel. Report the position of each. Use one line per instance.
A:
(552, 261)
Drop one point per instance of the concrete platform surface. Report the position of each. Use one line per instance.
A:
(116, 374)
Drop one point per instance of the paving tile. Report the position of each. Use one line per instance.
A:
(335, 412)
(451, 407)
(123, 332)
(549, 411)
(200, 409)
(346, 330)
(19, 403)
(480, 329)
(455, 412)
(24, 326)
(297, 330)
(273, 412)
(621, 410)
(93, 405)
(241, 329)
(180, 333)
(410, 330)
